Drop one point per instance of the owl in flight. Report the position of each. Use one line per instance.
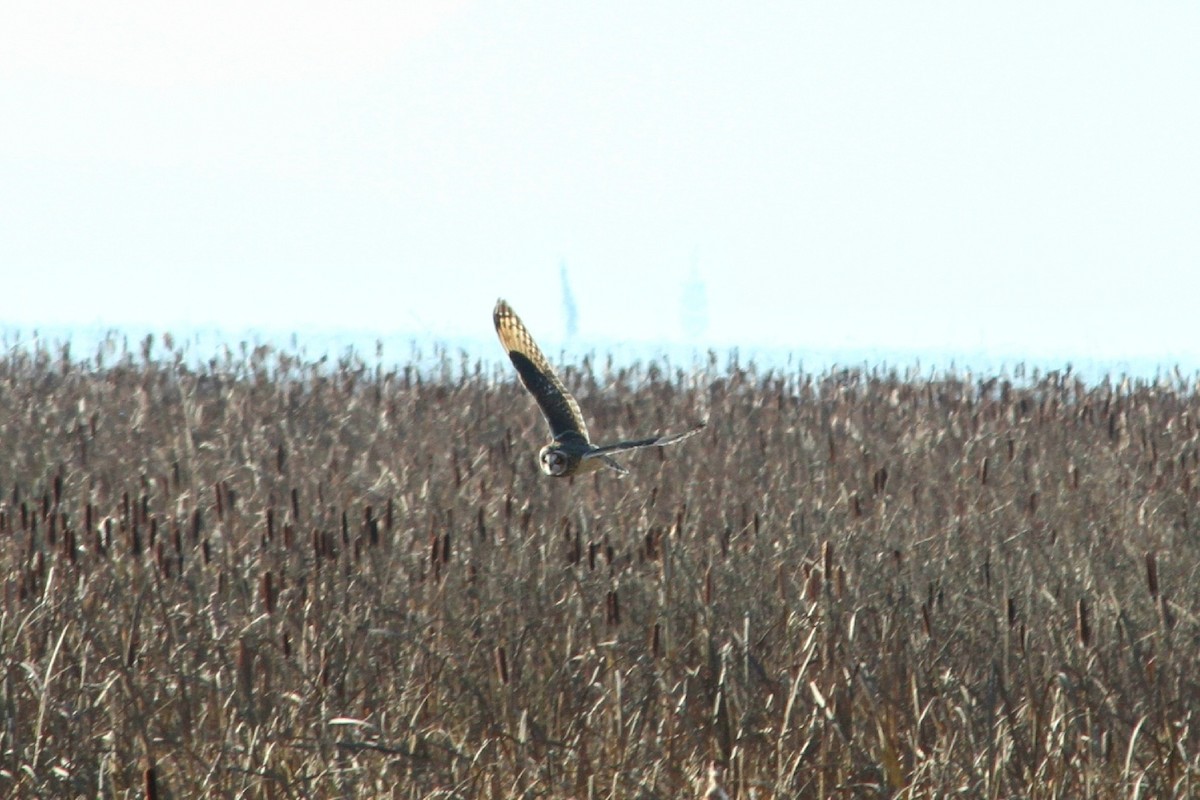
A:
(571, 452)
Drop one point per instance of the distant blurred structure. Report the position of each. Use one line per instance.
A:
(694, 308)
(570, 310)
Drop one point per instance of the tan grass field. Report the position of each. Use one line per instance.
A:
(278, 579)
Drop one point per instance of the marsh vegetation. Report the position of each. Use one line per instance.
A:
(266, 577)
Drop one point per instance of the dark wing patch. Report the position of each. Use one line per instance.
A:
(638, 444)
(558, 407)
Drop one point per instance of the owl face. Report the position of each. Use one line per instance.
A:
(554, 461)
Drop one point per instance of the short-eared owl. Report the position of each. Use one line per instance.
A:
(571, 452)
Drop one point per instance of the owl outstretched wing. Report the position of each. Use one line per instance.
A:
(557, 405)
(638, 444)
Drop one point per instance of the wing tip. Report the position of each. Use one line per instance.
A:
(502, 317)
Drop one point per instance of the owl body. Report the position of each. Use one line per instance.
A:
(560, 460)
(571, 452)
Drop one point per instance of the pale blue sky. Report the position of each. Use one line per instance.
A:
(1021, 177)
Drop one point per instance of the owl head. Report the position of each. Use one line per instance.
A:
(554, 461)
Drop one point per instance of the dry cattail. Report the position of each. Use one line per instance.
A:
(812, 586)
(1083, 626)
(150, 782)
(245, 667)
(502, 665)
(1164, 610)
(267, 592)
(612, 607)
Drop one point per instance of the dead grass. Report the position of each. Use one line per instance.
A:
(271, 578)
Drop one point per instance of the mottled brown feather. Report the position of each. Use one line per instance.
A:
(557, 405)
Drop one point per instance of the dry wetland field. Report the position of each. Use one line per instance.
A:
(266, 577)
